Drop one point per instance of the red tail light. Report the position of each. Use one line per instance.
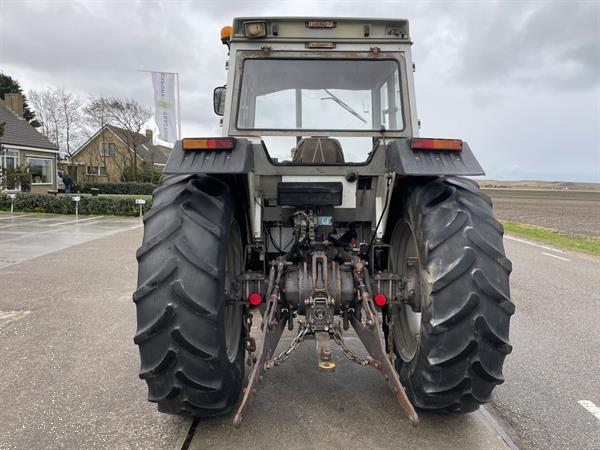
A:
(255, 299)
(380, 299)
(436, 144)
(219, 143)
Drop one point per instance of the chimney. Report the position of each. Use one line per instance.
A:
(15, 103)
(149, 136)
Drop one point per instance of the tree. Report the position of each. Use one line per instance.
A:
(46, 109)
(127, 114)
(70, 112)
(9, 85)
(60, 114)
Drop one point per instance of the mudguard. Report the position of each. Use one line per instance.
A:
(401, 159)
(236, 161)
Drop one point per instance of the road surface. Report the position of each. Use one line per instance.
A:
(68, 367)
(555, 362)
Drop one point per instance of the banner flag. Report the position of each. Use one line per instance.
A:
(164, 104)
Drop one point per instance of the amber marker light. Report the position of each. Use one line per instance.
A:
(226, 33)
(436, 144)
(208, 143)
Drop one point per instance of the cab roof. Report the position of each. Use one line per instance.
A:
(330, 29)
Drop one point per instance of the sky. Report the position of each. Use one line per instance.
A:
(518, 80)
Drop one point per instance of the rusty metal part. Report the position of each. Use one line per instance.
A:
(371, 334)
(348, 352)
(294, 345)
(324, 353)
(250, 344)
(272, 327)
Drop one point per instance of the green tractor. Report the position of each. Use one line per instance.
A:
(320, 210)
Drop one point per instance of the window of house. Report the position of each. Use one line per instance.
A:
(12, 159)
(96, 170)
(40, 169)
(108, 149)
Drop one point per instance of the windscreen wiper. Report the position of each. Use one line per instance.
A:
(343, 105)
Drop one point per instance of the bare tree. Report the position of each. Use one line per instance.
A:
(96, 115)
(70, 115)
(127, 114)
(60, 115)
(46, 109)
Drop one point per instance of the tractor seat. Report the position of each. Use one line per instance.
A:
(318, 150)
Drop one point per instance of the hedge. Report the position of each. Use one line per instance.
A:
(63, 204)
(127, 188)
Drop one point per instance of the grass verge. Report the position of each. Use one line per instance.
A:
(586, 244)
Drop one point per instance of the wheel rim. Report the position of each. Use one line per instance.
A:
(233, 310)
(406, 324)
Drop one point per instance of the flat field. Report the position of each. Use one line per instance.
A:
(572, 212)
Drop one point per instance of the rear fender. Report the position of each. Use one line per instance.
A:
(239, 160)
(403, 160)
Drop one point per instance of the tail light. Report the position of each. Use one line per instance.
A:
(255, 299)
(436, 144)
(380, 299)
(219, 143)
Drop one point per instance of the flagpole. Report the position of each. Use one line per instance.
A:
(178, 108)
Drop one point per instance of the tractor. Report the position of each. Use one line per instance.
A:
(322, 212)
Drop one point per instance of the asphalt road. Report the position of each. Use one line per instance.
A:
(68, 367)
(555, 362)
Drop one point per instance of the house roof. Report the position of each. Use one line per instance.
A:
(19, 132)
(148, 152)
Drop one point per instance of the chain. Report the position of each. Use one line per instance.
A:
(296, 342)
(348, 353)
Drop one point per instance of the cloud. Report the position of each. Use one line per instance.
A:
(540, 44)
(519, 80)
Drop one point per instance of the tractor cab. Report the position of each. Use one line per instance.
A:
(291, 80)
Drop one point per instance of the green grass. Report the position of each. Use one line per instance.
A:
(585, 244)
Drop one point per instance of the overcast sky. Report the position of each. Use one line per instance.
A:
(520, 81)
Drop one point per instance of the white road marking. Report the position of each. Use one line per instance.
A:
(17, 216)
(554, 256)
(74, 221)
(523, 241)
(591, 408)
(7, 317)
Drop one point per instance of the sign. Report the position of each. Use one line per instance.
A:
(76, 198)
(140, 201)
(165, 100)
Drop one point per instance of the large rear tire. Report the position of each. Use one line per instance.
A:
(190, 336)
(451, 346)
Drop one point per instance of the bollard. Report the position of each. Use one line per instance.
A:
(76, 200)
(141, 202)
(12, 203)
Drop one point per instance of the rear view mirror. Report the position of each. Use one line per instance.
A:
(219, 100)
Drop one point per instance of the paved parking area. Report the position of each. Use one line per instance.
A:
(68, 366)
(26, 236)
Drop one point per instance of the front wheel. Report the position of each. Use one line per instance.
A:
(451, 341)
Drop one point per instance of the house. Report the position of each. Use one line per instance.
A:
(21, 145)
(108, 156)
